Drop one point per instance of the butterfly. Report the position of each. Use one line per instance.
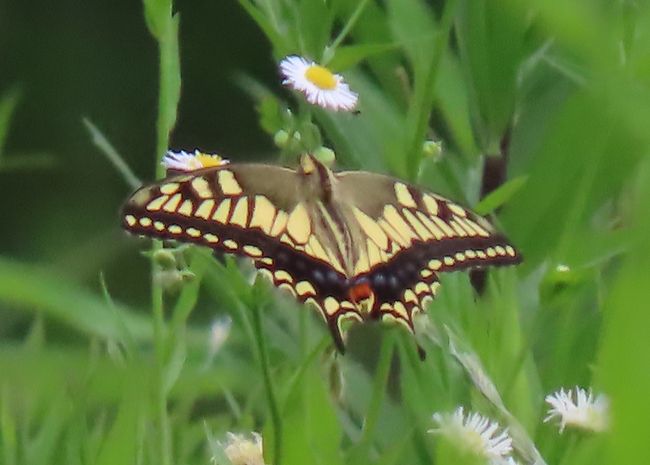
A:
(356, 245)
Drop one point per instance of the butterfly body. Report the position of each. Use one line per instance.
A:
(356, 245)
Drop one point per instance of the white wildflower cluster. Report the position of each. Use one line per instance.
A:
(242, 450)
(578, 408)
(475, 434)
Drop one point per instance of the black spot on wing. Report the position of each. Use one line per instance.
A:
(302, 267)
(404, 270)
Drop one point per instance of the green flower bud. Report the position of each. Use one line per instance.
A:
(325, 155)
(187, 276)
(169, 280)
(281, 138)
(165, 259)
(432, 149)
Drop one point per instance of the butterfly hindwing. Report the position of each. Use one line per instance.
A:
(411, 237)
(312, 281)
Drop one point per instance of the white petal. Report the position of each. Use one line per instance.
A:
(475, 432)
(586, 412)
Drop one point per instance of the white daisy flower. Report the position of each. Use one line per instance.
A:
(476, 434)
(241, 450)
(318, 84)
(578, 408)
(185, 161)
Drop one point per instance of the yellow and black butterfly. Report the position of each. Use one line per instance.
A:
(356, 245)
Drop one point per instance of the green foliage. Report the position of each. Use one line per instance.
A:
(8, 104)
(557, 92)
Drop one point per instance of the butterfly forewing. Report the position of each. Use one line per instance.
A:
(249, 210)
(217, 207)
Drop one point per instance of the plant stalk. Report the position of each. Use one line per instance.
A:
(268, 384)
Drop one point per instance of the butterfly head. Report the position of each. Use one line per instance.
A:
(308, 164)
(318, 178)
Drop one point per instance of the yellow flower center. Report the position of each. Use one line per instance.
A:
(321, 77)
(208, 161)
(475, 442)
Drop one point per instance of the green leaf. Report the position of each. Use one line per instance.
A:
(8, 103)
(157, 14)
(412, 23)
(584, 161)
(190, 294)
(363, 140)
(315, 21)
(28, 162)
(500, 195)
(43, 447)
(164, 27)
(425, 42)
(277, 40)
(625, 348)
(121, 442)
(174, 367)
(29, 287)
(347, 56)
(491, 42)
(311, 429)
(271, 114)
(452, 100)
(8, 439)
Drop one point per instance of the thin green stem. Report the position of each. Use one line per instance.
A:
(426, 91)
(169, 91)
(356, 14)
(160, 338)
(103, 144)
(268, 384)
(378, 393)
(164, 27)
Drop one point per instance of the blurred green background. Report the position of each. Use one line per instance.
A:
(97, 60)
(551, 99)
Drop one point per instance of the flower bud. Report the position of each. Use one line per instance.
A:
(281, 138)
(240, 449)
(325, 155)
(187, 276)
(169, 280)
(432, 149)
(165, 259)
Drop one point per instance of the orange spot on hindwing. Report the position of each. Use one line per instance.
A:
(360, 291)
